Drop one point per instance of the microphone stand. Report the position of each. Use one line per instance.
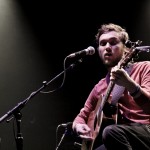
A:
(63, 136)
(19, 138)
(16, 110)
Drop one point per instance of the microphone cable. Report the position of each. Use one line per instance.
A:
(64, 75)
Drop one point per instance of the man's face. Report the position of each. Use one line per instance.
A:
(110, 48)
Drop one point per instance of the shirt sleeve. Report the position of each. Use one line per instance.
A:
(89, 106)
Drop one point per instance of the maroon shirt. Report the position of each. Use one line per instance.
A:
(135, 110)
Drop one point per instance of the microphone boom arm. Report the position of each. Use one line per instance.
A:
(21, 104)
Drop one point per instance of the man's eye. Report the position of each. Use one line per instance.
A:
(103, 43)
(114, 42)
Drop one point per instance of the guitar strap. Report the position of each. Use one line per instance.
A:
(118, 90)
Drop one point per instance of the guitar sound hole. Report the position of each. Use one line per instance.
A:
(109, 109)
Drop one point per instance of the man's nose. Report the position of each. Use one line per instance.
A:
(108, 46)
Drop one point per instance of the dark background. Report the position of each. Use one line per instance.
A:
(35, 38)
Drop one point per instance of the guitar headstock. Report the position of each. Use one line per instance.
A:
(130, 54)
(130, 44)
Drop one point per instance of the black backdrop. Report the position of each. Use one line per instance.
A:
(36, 38)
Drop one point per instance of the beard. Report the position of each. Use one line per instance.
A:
(110, 63)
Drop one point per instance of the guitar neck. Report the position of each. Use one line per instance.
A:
(108, 91)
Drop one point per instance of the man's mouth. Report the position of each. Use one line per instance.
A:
(107, 55)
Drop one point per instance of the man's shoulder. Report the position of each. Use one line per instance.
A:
(142, 63)
(101, 82)
(142, 66)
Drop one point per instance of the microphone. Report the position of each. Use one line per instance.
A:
(88, 51)
(77, 144)
(65, 124)
(143, 48)
(65, 133)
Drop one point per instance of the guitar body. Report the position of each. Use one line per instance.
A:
(96, 120)
(88, 145)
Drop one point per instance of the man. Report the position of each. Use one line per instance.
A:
(131, 130)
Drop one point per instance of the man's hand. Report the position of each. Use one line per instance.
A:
(83, 131)
(120, 76)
